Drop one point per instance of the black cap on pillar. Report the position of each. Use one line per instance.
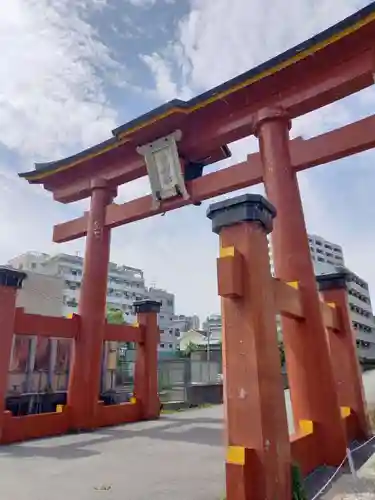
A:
(146, 306)
(333, 281)
(244, 208)
(11, 277)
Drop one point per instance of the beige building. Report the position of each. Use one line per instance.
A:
(41, 294)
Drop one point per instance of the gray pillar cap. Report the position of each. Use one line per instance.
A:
(10, 277)
(244, 208)
(332, 281)
(146, 306)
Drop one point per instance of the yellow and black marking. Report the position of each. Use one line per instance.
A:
(337, 32)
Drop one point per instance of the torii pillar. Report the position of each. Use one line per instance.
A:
(84, 381)
(10, 281)
(346, 367)
(258, 456)
(311, 380)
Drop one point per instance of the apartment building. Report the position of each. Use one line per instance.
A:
(125, 286)
(327, 258)
(182, 323)
(168, 339)
(360, 307)
(325, 252)
(213, 326)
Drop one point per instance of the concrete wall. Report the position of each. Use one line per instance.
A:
(41, 294)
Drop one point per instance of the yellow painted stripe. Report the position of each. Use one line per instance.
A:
(236, 455)
(133, 400)
(135, 324)
(227, 252)
(306, 426)
(59, 408)
(275, 69)
(293, 284)
(41, 175)
(345, 411)
(331, 304)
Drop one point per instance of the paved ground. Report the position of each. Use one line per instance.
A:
(178, 457)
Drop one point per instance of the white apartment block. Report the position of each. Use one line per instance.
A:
(183, 324)
(361, 312)
(168, 339)
(324, 251)
(125, 286)
(328, 258)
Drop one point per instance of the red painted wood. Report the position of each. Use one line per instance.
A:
(17, 429)
(7, 315)
(253, 385)
(305, 451)
(84, 382)
(333, 72)
(45, 326)
(313, 391)
(345, 362)
(146, 368)
(123, 333)
(324, 148)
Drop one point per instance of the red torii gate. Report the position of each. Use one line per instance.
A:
(263, 101)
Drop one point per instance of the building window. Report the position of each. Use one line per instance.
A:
(320, 259)
(33, 265)
(161, 346)
(318, 243)
(170, 346)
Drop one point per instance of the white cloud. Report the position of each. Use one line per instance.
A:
(142, 3)
(166, 87)
(221, 39)
(51, 91)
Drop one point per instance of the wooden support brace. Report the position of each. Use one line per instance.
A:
(230, 273)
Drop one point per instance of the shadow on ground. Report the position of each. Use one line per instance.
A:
(343, 483)
(206, 431)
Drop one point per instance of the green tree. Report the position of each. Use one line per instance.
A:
(115, 317)
(191, 347)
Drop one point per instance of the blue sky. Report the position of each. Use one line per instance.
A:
(73, 70)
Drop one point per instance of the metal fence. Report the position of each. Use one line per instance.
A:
(175, 376)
